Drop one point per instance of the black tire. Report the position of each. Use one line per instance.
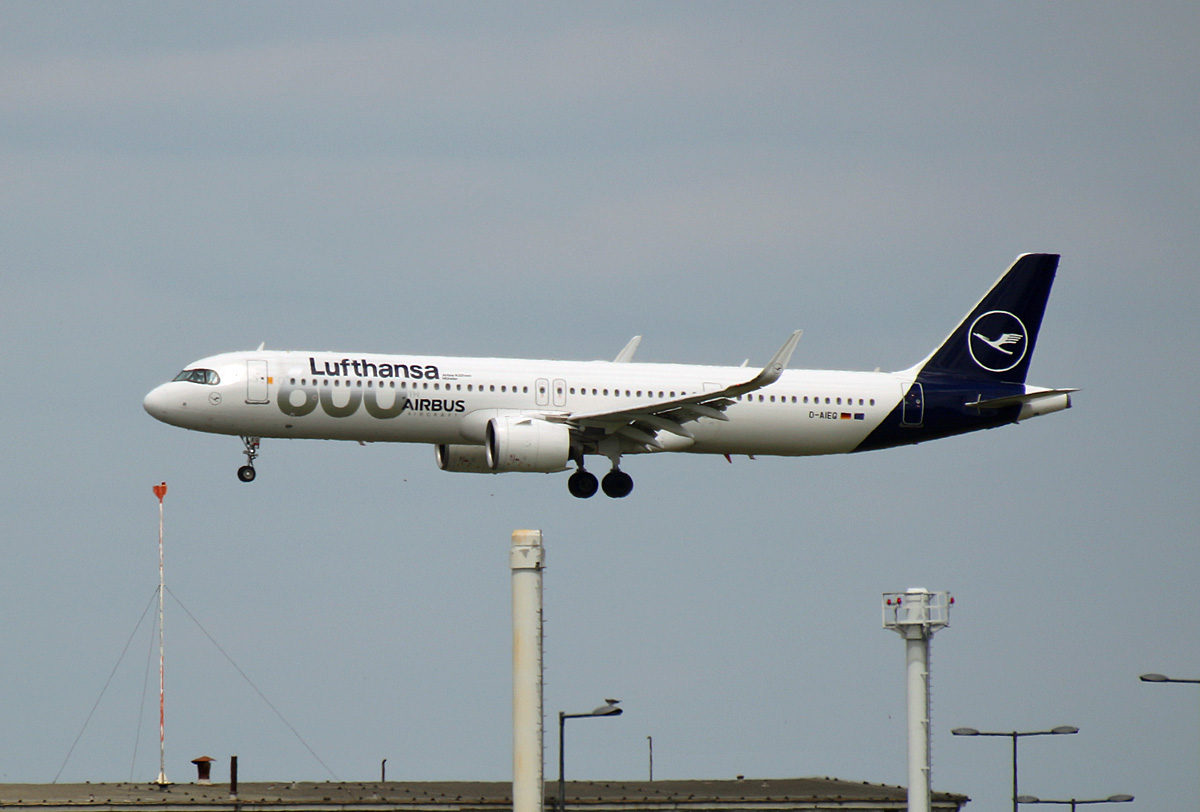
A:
(583, 485)
(246, 473)
(617, 484)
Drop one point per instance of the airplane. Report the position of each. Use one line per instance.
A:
(496, 415)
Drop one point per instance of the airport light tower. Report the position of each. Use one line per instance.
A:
(527, 559)
(915, 615)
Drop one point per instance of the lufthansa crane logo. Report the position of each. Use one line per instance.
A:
(997, 341)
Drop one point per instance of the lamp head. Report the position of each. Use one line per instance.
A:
(608, 709)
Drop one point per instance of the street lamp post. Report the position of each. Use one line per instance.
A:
(1111, 799)
(1161, 678)
(609, 708)
(1014, 735)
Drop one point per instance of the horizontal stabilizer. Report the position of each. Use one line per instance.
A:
(1019, 400)
(1039, 402)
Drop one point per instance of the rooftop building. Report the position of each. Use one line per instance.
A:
(741, 795)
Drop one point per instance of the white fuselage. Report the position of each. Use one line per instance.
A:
(446, 400)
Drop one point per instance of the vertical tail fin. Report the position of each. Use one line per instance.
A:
(995, 341)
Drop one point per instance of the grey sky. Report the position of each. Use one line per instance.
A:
(548, 180)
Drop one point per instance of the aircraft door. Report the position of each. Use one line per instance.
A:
(560, 392)
(542, 392)
(912, 412)
(256, 381)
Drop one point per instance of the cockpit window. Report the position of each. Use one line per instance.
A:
(204, 376)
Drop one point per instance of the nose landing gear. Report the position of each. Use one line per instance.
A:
(246, 472)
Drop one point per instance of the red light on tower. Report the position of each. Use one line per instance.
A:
(160, 491)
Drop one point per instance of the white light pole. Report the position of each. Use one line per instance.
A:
(915, 615)
(527, 559)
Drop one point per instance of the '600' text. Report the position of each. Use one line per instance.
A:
(298, 401)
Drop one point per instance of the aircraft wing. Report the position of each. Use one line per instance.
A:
(626, 355)
(641, 421)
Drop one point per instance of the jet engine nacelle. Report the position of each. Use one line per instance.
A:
(470, 459)
(524, 443)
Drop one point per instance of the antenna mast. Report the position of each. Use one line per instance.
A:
(160, 491)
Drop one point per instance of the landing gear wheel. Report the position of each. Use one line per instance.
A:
(246, 472)
(617, 484)
(583, 484)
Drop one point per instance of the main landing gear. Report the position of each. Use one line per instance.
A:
(246, 472)
(616, 484)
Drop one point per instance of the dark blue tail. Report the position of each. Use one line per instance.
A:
(994, 343)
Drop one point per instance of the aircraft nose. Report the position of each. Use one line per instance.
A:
(156, 403)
